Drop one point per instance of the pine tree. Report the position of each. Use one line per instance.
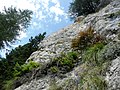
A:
(11, 22)
(83, 7)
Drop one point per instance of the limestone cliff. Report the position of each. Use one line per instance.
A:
(106, 22)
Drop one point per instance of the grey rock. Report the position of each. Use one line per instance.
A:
(104, 22)
(40, 84)
(113, 76)
(60, 41)
(110, 51)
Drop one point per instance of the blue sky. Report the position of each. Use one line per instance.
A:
(48, 16)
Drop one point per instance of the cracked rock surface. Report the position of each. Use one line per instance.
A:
(106, 22)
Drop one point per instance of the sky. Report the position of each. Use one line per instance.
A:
(48, 16)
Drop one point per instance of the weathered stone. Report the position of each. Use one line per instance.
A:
(110, 51)
(104, 22)
(79, 19)
(113, 76)
(60, 41)
(40, 84)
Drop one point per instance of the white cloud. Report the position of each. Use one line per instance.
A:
(23, 4)
(43, 11)
(56, 10)
(57, 19)
(34, 24)
(55, 1)
(37, 6)
(41, 8)
(22, 35)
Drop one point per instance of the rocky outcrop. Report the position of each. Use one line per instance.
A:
(105, 22)
(113, 76)
(79, 19)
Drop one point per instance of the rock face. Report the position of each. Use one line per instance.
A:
(113, 76)
(40, 84)
(105, 22)
(58, 42)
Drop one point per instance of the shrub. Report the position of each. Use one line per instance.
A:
(92, 78)
(17, 70)
(29, 66)
(94, 64)
(82, 7)
(83, 39)
(67, 59)
(9, 84)
(65, 62)
(20, 70)
(91, 54)
(72, 55)
(92, 82)
(85, 7)
(86, 39)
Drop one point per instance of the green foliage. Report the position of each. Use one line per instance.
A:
(92, 77)
(36, 40)
(83, 7)
(13, 66)
(72, 55)
(64, 63)
(54, 69)
(12, 21)
(17, 70)
(5, 70)
(94, 69)
(20, 70)
(21, 53)
(91, 54)
(67, 59)
(29, 66)
(8, 85)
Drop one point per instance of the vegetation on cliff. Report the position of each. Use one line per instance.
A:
(90, 51)
(89, 46)
(14, 65)
(85, 7)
